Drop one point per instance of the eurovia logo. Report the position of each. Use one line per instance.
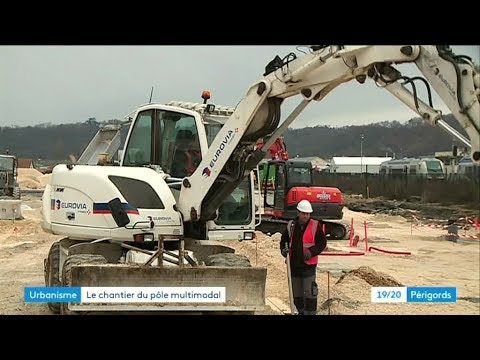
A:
(226, 141)
(55, 204)
(206, 172)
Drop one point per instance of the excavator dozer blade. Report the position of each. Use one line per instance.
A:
(244, 286)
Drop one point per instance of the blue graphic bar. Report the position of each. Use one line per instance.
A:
(431, 294)
(52, 294)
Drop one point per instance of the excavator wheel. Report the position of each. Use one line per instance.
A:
(228, 260)
(76, 259)
(51, 270)
(338, 232)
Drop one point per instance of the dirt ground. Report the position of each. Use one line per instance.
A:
(345, 282)
(434, 262)
(23, 246)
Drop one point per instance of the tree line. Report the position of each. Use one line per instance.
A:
(410, 139)
(413, 138)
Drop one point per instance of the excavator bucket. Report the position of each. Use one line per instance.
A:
(244, 286)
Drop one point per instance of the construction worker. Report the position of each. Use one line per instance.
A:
(187, 154)
(303, 240)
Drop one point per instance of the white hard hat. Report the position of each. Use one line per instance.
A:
(305, 206)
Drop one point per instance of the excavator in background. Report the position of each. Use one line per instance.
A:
(285, 182)
(9, 187)
(123, 226)
(10, 203)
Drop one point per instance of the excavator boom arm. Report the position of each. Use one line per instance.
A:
(232, 154)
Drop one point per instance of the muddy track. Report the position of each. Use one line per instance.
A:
(429, 212)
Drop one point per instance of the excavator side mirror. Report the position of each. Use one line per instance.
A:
(119, 214)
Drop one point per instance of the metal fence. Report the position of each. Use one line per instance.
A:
(453, 190)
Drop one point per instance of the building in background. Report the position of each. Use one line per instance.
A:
(26, 164)
(356, 164)
(318, 164)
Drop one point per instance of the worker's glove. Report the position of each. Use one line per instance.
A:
(307, 255)
(284, 252)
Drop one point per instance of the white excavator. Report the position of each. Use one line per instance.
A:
(158, 219)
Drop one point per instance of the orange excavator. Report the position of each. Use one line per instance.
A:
(284, 183)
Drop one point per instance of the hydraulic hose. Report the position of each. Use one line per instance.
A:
(390, 251)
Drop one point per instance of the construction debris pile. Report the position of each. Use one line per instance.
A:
(32, 179)
(372, 277)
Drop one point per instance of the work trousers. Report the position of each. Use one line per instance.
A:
(305, 292)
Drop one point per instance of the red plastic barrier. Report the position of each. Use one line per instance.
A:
(352, 232)
(390, 251)
(366, 236)
(476, 237)
(355, 240)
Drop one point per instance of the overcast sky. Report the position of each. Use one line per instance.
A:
(68, 84)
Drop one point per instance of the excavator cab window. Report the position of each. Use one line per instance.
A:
(280, 186)
(235, 210)
(212, 130)
(300, 175)
(138, 150)
(276, 185)
(186, 150)
(165, 138)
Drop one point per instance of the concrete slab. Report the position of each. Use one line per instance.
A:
(10, 209)
(335, 269)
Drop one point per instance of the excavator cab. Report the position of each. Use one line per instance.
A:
(280, 177)
(176, 137)
(285, 184)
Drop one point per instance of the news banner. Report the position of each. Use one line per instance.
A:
(414, 294)
(124, 294)
(410, 294)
